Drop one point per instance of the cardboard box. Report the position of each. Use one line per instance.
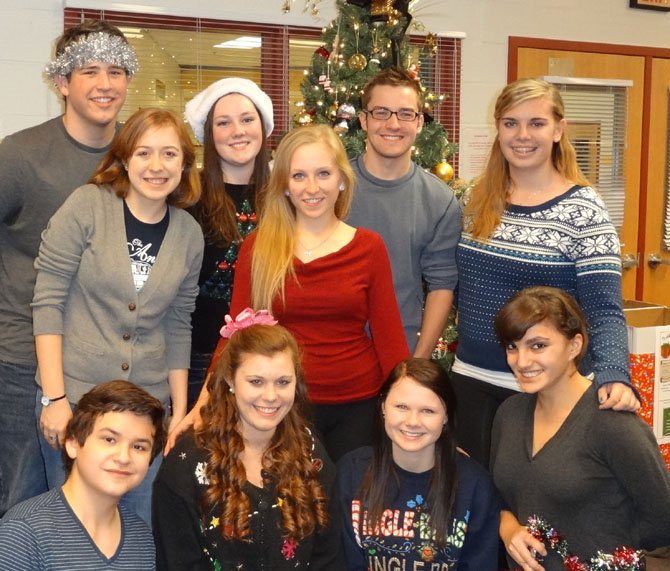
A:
(649, 346)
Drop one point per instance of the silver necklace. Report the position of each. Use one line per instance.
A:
(309, 252)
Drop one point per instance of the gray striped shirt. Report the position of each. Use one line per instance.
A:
(44, 534)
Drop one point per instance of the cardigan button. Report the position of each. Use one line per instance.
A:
(126, 336)
(125, 366)
(132, 306)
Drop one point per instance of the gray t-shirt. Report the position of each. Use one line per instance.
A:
(39, 168)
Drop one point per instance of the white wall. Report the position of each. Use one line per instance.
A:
(27, 33)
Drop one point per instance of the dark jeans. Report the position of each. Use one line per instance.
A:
(196, 376)
(345, 427)
(21, 468)
(477, 403)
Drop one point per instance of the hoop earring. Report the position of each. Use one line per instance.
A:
(342, 187)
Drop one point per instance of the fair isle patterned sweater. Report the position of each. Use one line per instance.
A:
(567, 242)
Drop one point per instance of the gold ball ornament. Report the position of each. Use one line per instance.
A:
(444, 170)
(357, 62)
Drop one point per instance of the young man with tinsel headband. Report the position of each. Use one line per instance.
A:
(39, 168)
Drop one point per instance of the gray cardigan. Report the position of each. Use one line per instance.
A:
(85, 292)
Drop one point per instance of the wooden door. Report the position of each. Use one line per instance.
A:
(656, 277)
(534, 62)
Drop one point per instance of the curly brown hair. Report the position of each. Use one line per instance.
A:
(288, 459)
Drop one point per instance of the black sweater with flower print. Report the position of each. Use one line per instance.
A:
(189, 539)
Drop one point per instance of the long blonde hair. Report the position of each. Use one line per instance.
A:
(488, 198)
(272, 258)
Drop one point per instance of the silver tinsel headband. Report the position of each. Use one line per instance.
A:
(98, 46)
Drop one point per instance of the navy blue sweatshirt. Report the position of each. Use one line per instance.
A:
(403, 541)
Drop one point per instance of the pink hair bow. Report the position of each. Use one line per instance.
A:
(244, 319)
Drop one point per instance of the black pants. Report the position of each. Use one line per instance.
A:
(345, 427)
(477, 403)
(196, 376)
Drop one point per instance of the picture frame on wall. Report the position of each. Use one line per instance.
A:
(660, 5)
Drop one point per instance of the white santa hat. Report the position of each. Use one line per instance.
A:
(198, 108)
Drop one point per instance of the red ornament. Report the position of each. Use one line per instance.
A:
(252, 217)
(223, 265)
(323, 52)
(243, 217)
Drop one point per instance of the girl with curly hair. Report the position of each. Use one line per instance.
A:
(249, 488)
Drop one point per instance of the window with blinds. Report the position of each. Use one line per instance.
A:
(596, 112)
(180, 56)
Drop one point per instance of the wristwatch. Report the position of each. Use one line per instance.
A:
(46, 401)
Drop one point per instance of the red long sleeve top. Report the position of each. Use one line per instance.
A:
(328, 308)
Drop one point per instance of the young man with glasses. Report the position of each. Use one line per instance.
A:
(414, 211)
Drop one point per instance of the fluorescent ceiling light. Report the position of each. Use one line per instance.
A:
(242, 43)
(132, 32)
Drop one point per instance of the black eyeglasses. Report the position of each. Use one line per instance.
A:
(384, 114)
